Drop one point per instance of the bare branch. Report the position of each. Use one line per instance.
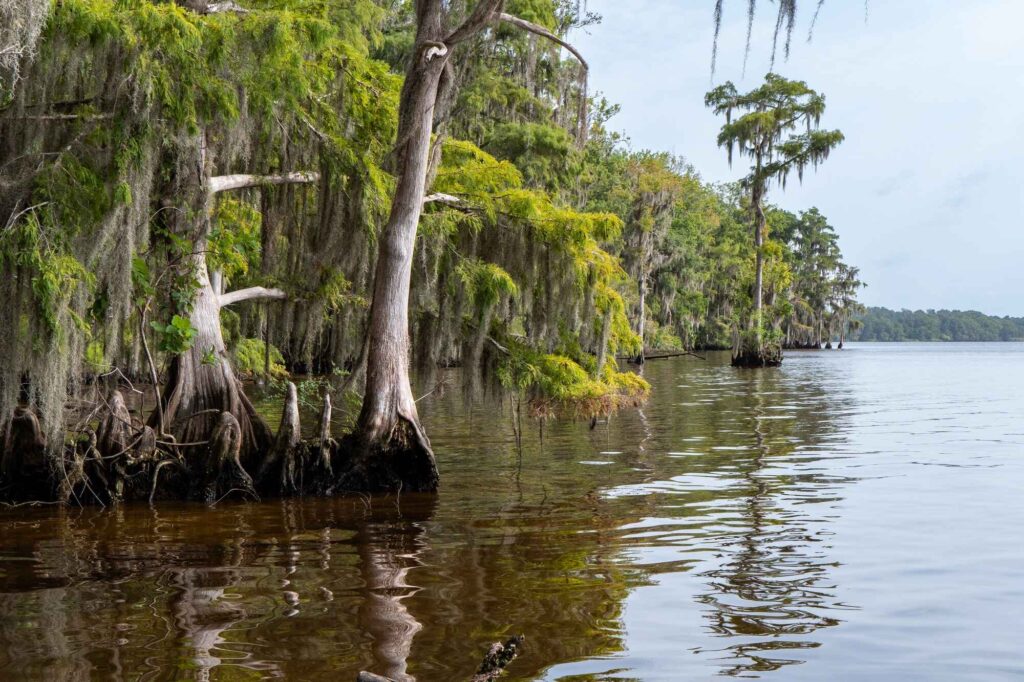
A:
(250, 294)
(219, 7)
(63, 117)
(544, 33)
(224, 183)
(483, 13)
(441, 198)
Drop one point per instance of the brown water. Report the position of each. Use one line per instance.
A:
(849, 516)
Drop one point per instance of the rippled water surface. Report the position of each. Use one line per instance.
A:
(854, 515)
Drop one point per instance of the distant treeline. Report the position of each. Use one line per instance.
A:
(882, 324)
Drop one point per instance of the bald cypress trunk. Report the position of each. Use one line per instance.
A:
(390, 451)
(752, 350)
(202, 383)
(759, 227)
(642, 318)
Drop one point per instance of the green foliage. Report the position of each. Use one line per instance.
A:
(767, 115)
(176, 336)
(54, 275)
(541, 151)
(882, 324)
(234, 242)
(543, 248)
(486, 283)
(559, 386)
(250, 355)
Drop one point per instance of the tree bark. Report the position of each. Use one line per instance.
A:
(642, 321)
(760, 223)
(390, 449)
(202, 380)
(202, 383)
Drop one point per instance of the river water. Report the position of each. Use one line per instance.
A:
(852, 515)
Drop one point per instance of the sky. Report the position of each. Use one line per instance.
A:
(927, 191)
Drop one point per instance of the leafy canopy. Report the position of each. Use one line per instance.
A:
(765, 129)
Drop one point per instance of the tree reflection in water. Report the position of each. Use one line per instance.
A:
(707, 492)
(772, 587)
(388, 549)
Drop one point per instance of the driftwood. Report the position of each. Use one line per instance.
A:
(498, 657)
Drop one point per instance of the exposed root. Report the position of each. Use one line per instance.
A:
(156, 478)
(123, 459)
(401, 462)
(115, 435)
(223, 470)
(754, 359)
(279, 473)
(325, 443)
(24, 469)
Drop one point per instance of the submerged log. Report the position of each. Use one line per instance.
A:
(497, 659)
(653, 355)
(498, 656)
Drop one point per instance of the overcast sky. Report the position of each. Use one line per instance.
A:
(927, 192)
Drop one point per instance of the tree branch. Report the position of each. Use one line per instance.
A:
(544, 33)
(483, 13)
(63, 117)
(250, 294)
(441, 198)
(223, 183)
(219, 7)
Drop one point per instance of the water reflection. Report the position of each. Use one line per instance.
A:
(388, 550)
(771, 591)
(718, 494)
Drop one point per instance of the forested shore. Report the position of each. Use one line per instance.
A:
(197, 194)
(883, 324)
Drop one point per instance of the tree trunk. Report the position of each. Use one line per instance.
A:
(759, 227)
(202, 383)
(641, 323)
(602, 349)
(755, 352)
(390, 451)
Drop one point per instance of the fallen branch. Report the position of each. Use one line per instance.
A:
(673, 354)
(220, 7)
(442, 198)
